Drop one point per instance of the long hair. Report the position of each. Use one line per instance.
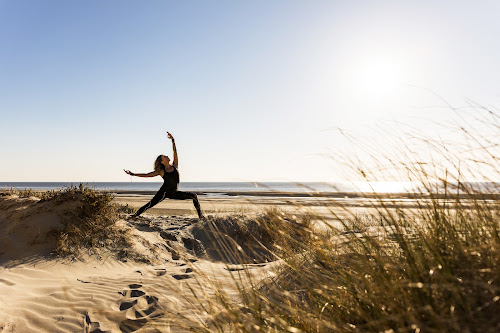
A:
(158, 166)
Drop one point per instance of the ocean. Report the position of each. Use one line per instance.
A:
(220, 188)
(190, 186)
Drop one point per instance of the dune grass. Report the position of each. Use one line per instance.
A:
(242, 238)
(89, 226)
(431, 267)
(89, 221)
(21, 193)
(439, 274)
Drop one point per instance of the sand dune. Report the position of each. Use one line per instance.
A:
(100, 293)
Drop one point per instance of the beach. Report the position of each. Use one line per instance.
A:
(169, 272)
(98, 293)
(249, 167)
(324, 205)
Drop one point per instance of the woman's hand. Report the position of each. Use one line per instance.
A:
(175, 163)
(128, 172)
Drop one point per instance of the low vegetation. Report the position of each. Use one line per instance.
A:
(435, 274)
(89, 226)
(242, 238)
(433, 267)
(89, 221)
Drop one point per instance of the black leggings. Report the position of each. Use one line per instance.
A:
(171, 194)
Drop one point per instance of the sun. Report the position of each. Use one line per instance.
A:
(376, 77)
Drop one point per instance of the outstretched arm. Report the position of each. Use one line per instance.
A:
(175, 163)
(151, 174)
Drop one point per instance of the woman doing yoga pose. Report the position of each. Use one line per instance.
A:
(170, 175)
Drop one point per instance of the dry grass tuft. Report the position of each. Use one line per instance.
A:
(241, 238)
(433, 267)
(442, 274)
(21, 193)
(91, 225)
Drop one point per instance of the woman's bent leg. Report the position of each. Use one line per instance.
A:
(159, 196)
(179, 195)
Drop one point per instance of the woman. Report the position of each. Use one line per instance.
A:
(170, 175)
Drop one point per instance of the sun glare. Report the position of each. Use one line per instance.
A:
(377, 78)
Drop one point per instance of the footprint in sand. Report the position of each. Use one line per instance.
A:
(182, 276)
(92, 326)
(160, 271)
(175, 255)
(168, 236)
(139, 308)
(127, 305)
(132, 293)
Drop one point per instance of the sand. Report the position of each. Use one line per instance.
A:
(322, 207)
(99, 293)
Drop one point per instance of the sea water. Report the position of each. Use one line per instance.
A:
(229, 187)
(189, 186)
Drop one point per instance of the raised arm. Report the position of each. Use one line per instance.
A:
(151, 174)
(175, 163)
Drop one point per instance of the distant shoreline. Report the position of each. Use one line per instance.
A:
(346, 195)
(331, 195)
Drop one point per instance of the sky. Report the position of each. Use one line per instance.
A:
(251, 90)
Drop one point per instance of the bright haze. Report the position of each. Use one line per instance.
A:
(251, 90)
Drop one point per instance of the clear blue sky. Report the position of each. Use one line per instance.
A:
(249, 89)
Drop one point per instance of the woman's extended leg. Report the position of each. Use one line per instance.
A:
(159, 196)
(179, 195)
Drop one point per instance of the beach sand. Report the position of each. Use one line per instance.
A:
(98, 293)
(322, 207)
